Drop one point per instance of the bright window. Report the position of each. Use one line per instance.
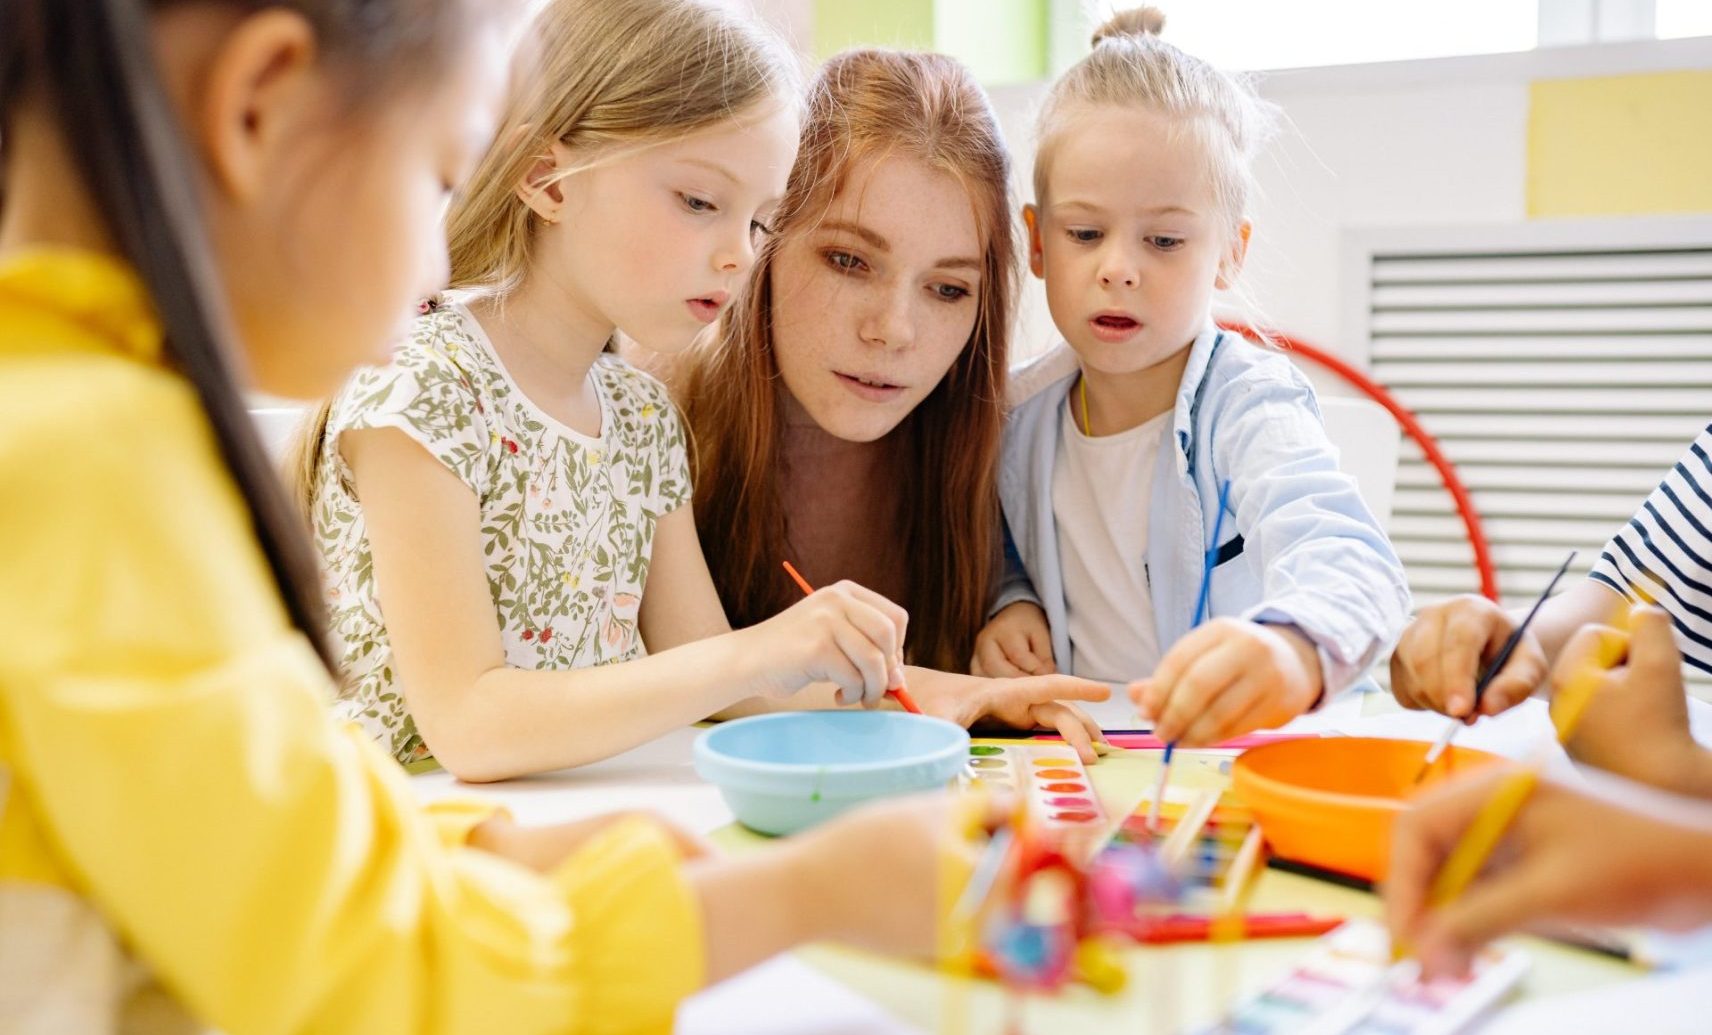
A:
(1679, 18)
(1257, 34)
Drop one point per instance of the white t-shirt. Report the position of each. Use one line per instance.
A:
(1100, 490)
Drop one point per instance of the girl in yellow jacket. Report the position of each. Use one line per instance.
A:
(203, 196)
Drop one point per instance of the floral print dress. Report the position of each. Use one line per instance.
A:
(567, 520)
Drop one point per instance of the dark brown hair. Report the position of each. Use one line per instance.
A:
(90, 62)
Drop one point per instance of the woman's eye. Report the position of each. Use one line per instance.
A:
(950, 292)
(1084, 235)
(844, 261)
(1165, 244)
(759, 228)
(695, 204)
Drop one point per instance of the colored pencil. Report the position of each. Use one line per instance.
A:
(899, 692)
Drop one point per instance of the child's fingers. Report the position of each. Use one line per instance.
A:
(1421, 839)
(1468, 635)
(1236, 710)
(1591, 648)
(871, 663)
(1494, 905)
(1040, 645)
(1161, 686)
(1016, 648)
(1516, 681)
(893, 613)
(1209, 675)
(994, 663)
(879, 629)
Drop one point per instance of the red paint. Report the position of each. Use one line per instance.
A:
(1075, 817)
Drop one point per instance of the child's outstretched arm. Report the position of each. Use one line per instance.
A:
(485, 720)
(1331, 579)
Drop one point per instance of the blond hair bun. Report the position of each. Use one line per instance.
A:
(1137, 21)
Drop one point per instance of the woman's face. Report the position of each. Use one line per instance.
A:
(874, 301)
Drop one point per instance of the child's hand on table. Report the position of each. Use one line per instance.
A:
(1636, 723)
(1028, 703)
(1445, 649)
(1622, 855)
(1017, 642)
(1226, 678)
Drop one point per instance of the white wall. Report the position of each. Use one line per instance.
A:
(1398, 144)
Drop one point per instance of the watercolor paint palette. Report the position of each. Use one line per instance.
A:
(1208, 860)
(1051, 779)
(1347, 985)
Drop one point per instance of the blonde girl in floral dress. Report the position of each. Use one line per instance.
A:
(503, 512)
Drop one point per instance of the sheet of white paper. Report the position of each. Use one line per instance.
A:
(785, 996)
(1670, 1004)
(659, 776)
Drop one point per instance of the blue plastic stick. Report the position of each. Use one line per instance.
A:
(1208, 561)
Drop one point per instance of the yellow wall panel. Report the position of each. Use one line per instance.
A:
(1621, 145)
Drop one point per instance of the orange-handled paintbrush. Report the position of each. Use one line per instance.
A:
(902, 695)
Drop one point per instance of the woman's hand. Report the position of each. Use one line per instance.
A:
(1027, 703)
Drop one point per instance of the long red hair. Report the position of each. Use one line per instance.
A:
(864, 104)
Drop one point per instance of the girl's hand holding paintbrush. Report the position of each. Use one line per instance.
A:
(843, 634)
(1228, 677)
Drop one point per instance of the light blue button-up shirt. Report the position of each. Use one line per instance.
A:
(1300, 546)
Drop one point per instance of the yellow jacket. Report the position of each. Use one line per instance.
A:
(183, 831)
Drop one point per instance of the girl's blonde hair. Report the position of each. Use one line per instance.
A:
(869, 106)
(1131, 66)
(604, 78)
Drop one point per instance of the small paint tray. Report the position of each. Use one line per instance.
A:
(1347, 985)
(1052, 780)
(1209, 859)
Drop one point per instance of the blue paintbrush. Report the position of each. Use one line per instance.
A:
(1202, 604)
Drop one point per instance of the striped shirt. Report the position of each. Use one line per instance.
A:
(1664, 553)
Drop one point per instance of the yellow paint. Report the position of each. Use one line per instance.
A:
(1620, 145)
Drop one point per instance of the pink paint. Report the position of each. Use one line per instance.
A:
(1079, 803)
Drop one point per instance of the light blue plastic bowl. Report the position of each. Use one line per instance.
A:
(785, 772)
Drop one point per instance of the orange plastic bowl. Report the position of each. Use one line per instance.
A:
(1330, 801)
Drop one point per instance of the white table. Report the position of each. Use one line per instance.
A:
(659, 776)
